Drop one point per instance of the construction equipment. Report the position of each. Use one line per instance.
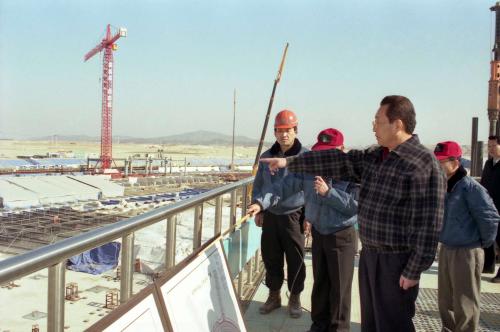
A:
(494, 82)
(269, 107)
(108, 45)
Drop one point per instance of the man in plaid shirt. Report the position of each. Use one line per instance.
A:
(401, 204)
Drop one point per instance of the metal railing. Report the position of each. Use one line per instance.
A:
(54, 256)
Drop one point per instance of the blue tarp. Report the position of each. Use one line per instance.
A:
(97, 260)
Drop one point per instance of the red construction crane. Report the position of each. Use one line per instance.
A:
(108, 45)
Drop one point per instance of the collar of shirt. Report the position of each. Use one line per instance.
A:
(495, 161)
(406, 148)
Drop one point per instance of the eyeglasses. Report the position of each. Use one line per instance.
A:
(325, 138)
(378, 124)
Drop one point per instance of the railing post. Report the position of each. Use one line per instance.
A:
(170, 251)
(249, 271)
(55, 297)
(198, 225)
(127, 268)
(240, 285)
(232, 213)
(244, 200)
(256, 263)
(218, 215)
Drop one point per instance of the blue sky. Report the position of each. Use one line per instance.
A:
(178, 67)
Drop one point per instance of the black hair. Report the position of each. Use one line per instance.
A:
(400, 108)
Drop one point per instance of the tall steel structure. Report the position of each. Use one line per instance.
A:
(494, 83)
(108, 45)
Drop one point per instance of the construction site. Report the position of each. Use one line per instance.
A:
(88, 227)
(57, 198)
(31, 221)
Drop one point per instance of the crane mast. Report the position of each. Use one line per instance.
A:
(108, 46)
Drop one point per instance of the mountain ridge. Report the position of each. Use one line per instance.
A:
(200, 137)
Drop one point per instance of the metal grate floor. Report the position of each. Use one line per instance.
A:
(427, 314)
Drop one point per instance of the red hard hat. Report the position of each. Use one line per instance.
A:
(285, 119)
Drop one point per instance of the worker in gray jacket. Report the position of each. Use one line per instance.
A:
(470, 224)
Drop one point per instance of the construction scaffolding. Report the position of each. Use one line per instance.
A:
(22, 230)
(29, 229)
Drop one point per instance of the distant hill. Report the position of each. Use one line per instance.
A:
(70, 138)
(201, 137)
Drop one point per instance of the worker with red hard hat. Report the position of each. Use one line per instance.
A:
(282, 223)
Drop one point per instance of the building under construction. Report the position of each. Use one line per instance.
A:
(41, 210)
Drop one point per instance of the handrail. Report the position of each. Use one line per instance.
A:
(37, 259)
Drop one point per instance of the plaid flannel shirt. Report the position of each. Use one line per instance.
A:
(401, 199)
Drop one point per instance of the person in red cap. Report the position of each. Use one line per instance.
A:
(282, 223)
(331, 208)
(470, 224)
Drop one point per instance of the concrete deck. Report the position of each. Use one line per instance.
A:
(426, 319)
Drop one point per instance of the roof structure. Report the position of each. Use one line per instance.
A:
(33, 191)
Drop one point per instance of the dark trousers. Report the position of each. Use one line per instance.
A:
(384, 305)
(283, 237)
(333, 269)
(489, 255)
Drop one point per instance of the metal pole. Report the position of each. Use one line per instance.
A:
(479, 164)
(249, 271)
(232, 213)
(55, 297)
(257, 262)
(170, 251)
(240, 285)
(234, 121)
(473, 146)
(269, 107)
(218, 215)
(244, 200)
(127, 268)
(198, 226)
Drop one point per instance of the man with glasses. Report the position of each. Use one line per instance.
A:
(400, 211)
(282, 229)
(470, 224)
(490, 179)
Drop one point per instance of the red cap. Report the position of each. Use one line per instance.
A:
(448, 149)
(328, 139)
